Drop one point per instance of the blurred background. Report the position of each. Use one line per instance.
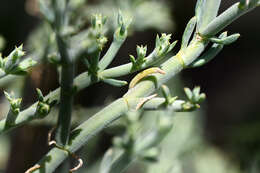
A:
(228, 124)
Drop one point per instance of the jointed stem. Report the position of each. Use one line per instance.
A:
(66, 97)
(116, 109)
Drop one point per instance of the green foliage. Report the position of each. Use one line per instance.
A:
(67, 41)
(13, 64)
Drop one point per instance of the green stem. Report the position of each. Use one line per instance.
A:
(66, 96)
(116, 109)
(83, 80)
(125, 69)
(144, 142)
(224, 19)
(84, 132)
(80, 82)
(10, 119)
(111, 53)
(144, 88)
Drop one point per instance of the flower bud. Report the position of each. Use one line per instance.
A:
(141, 51)
(13, 58)
(15, 103)
(163, 45)
(42, 109)
(23, 67)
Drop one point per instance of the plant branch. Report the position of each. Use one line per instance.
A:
(80, 82)
(66, 96)
(226, 18)
(112, 112)
(111, 52)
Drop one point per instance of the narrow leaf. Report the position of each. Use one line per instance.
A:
(188, 93)
(206, 10)
(196, 94)
(227, 40)
(115, 82)
(172, 46)
(210, 54)
(166, 93)
(188, 32)
(198, 11)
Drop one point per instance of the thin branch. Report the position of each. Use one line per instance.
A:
(112, 112)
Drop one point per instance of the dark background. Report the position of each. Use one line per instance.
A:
(231, 82)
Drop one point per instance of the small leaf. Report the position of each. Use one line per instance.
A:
(115, 82)
(227, 40)
(172, 46)
(196, 94)
(157, 41)
(39, 94)
(202, 97)
(209, 54)
(8, 96)
(166, 94)
(188, 32)
(132, 59)
(188, 93)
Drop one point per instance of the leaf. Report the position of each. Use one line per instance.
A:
(210, 54)
(115, 82)
(40, 95)
(196, 94)
(225, 41)
(188, 32)
(188, 93)
(206, 11)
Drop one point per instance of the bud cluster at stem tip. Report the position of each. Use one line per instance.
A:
(123, 24)
(163, 45)
(98, 29)
(43, 106)
(15, 103)
(12, 64)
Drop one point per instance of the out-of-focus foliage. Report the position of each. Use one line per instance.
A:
(145, 13)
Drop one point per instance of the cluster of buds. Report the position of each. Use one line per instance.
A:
(15, 103)
(12, 64)
(140, 60)
(98, 30)
(167, 95)
(194, 99)
(43, 106)
(123, 24)
(163, 45)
